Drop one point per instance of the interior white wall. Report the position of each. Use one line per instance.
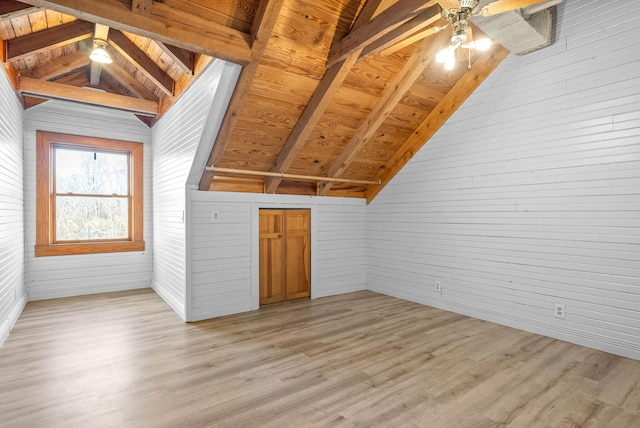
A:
(530, 194)
(177, 138)
(224, 253)
(62, 276)
(13, 292)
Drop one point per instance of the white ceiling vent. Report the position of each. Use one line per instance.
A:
(521, 30)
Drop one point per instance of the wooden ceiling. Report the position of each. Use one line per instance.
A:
(335, 89)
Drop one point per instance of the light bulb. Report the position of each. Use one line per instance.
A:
(450, 63)
(442, 56)
(100, 55)
(482, 44)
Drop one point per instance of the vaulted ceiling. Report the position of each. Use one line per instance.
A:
(334, 97)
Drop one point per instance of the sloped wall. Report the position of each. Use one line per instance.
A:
(13, 292)
(62, 276)
(176, 139)
(530, 194)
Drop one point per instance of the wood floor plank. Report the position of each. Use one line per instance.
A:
(360, 359)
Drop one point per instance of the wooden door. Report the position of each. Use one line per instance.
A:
(285, 256)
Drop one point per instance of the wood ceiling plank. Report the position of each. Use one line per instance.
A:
(136, 56)
(391, 96)
(468, 83)
(42, 89)
(261, 30)
(322, 96)
(164, 23)
(383, 23)
(59, 66)
(10, 9)
(48, 39)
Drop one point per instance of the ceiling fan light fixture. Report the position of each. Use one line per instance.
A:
(99, 54)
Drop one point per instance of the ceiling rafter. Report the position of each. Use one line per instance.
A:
(322, 96)
(404, 31)
(10, 9)
(183, 30)
(386, 21)
(468, 83)
(46, 39)
(59, 67)
(263, 24)
(136, 56)
(52, 90)
(132, 84)
(393, 93)
(185, 59)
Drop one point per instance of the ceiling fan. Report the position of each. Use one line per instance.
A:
(459, 19)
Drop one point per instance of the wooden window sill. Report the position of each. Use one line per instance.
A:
(88, 248)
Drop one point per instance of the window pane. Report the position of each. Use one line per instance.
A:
(89, 172)
(79, 218)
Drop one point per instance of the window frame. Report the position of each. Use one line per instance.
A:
(46, 244)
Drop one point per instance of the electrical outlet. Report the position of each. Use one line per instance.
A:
(215, 215)
(437, 286)
(558, 310)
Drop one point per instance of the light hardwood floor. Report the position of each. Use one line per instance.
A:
(362, 359)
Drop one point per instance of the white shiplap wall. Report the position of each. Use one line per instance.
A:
(177, 138)
(530, 194)
(224, 254)
(61, 276)
(13, 292)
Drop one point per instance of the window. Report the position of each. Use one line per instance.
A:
(88, 195)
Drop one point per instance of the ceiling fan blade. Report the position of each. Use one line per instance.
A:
(412, 39)
(500, 6)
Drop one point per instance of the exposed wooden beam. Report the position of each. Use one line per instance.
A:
(179, 29)
(46, 39)
(136, 56)
(468, 83)
(386, 21)
(412, 39)
(143, 7)
(100, 32)
(59, 66)
(393, 93)
(409, 28)
(132, 84)
(263, 23)
(10, 9)
(51, 90)
(12, 74)
(185, 59)
(322, 96)
(500, 6)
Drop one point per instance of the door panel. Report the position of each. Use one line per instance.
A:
(297, 254)
(271, 256)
